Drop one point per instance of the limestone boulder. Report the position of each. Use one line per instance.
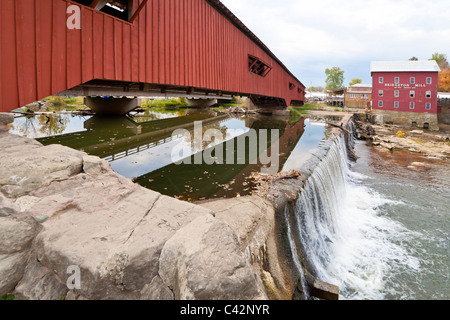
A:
(30, 170)
(16, 235)
(204, 261)
(117, 248)
(6, 118)
(39, 283)
(12, 268)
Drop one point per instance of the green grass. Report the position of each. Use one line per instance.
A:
(164, 103)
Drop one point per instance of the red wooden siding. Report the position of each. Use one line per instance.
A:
(171, 42)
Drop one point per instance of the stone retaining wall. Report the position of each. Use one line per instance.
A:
(409, 119)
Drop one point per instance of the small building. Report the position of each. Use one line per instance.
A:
(358, 96)
(405, 92)
(335, 98)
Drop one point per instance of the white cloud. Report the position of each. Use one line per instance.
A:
(310, 35)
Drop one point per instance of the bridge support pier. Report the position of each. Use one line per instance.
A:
(201, 103)
(267, 106)
(110, 105)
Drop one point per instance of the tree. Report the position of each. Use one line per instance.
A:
(316, 89)
(414, 59)
(335, 78)
(444, 81)
(441, 60)
(355, 81)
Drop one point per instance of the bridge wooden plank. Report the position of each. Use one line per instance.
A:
(142, 39)
(182, 30)
(190, 63)
(9, 92)
(59, 61)
(127, 52)
(155, 40)
(161, 46)
(135, 52)
(108, 51)
(97, 44)
(177, 36)
(167, 42)
(87, 49)
(118, 50)
(74, 55)
(148, 41)
(26, 51)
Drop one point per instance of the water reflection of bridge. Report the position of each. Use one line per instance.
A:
(119, 137)
(202, 181)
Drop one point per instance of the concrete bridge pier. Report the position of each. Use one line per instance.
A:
(110, 105)
(265, 105)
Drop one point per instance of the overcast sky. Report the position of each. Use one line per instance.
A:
(309, 36)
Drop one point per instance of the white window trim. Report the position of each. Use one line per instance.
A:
(397, 80)
(412, 80)
(428, 96)
(428, 104)
(412, 105)
(431, 80)
(380, 104)
(412, 94)
(380, 93)
(381, 79)
(396, 104)
(396, 93)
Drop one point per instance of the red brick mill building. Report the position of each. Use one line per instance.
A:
(405, 92)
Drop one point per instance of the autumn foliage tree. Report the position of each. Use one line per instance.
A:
(444, 75)
(444, 80)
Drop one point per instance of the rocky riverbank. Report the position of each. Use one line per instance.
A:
(432, 144)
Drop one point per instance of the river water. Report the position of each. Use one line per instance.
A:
(377, 228)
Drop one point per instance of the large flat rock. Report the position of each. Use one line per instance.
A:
(113, 230)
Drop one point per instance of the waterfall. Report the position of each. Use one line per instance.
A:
(338, 233)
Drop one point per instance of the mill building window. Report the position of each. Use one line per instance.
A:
(412, 105)
(428, 94)
(396, 93)
(396, 104)
(412, 80)
(429, 80)
(428, 106)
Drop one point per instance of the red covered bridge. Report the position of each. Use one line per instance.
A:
(191, 48)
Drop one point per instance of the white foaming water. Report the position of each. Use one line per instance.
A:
(347, 239)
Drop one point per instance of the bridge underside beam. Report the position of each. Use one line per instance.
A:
(107, 88)
(133, 89)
